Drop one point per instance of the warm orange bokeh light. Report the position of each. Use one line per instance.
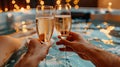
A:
(22, 9)
(27, 1)
(24, 27)
(68, 1)
(6, 9)
(58, 2)
(13, 2)
(1, 11)
(16, 7)
(41, 2)
(76, 2)
(77, 7)
(110, 3)
(28, 7)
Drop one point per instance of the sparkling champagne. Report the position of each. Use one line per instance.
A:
(45, 25)
(63, 24)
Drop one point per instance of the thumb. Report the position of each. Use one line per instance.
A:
(65, 42)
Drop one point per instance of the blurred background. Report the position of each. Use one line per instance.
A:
(97, 20)
(10, 4)
(6, 5)
(16, 13)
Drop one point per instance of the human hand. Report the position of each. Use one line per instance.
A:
(87, 51)
(37, 51)
(75, 42)
(37, 48)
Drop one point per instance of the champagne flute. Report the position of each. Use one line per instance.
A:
(45, 23)
(63, 20)
(63, 23)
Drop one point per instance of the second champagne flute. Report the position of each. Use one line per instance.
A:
(63, 26)
(63, 20)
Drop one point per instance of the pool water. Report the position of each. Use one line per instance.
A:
(103, 34)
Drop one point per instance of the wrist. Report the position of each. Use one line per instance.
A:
(93, 54)
(25, 61)
(88, 52)
(85, 48)
(33, 57)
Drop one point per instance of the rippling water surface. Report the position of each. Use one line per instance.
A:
(102, 34)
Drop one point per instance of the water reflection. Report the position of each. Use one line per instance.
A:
(107, 31)
(108, 42)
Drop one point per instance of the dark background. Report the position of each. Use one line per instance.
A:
(34, 3)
